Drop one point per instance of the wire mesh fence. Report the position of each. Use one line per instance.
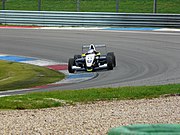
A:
(122, 6)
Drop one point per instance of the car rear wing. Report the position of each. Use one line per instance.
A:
(101, 48)
(97, 46)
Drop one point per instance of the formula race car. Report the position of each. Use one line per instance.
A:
(92, 60)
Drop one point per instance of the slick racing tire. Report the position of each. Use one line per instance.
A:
(111, 54)
(109, 63)
(77, 57)
(71, 63)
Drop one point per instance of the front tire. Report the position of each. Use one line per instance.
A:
(111, 54)
(109, 63)
(71, 63)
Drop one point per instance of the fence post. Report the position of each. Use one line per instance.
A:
(117, 6)
(155, 6)
(39, 5)
(78, 5)
(3, 4)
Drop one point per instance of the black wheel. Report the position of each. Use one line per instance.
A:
(113, 58)
(109, 63)
(71, 63)
(77, 56)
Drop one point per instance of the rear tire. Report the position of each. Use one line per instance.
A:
(109, 63)
(71, 63)
(77, 56)
(111, 54)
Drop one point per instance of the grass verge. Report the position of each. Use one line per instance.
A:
(17, 76)
(61, 98)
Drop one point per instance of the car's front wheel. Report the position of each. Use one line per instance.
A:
(109, 63)
(111, 54)
(71, 63)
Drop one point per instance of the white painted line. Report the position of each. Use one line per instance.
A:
(101, 28)
(156, 31)
(4, 95)
(65, 72)
(140, 32)
(41, 62)
(167, 29)
(3, 55)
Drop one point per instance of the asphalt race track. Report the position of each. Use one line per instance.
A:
(143, 57)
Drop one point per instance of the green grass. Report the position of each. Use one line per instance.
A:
(70, 97)
(125, 6)
(17, 76)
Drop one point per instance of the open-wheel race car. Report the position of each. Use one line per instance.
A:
(91, 59)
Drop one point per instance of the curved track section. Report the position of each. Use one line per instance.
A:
(143, 58)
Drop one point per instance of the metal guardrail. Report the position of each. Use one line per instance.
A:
(49, 18)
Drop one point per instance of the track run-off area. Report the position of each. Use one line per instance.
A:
(143, 57)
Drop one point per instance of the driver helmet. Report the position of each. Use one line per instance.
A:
(92, 47)
(91, 51)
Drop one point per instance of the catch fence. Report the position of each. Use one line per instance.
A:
(121, 6)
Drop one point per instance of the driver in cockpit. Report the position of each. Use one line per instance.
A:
(92, 50)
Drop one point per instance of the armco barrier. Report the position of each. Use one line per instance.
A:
(50, 18)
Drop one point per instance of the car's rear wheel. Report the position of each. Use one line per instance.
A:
(71, 63)
(77, 56)
(111, 54)
(109, 63)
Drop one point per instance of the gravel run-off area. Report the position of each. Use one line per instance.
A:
(90, 119)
